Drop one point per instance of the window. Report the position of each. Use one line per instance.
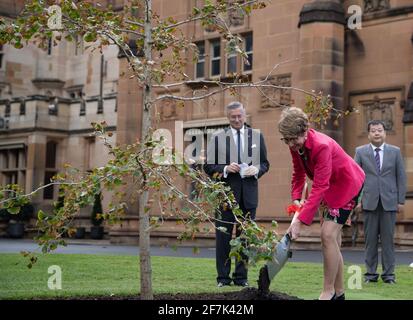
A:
(48, 192)
(22, 106)
(210, 55)
(78, 44)
(1, 56)
(215, 57)
(248, 51)
(49, 46)
(53, 106)
(231, 62)
(51, 148)
(82, 107)
(200, 64)
(51, 151)
(13, 165)
(100, 105)
(8, 109)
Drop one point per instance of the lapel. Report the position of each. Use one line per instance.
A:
(248, 139)
(370, 155)
(373, 159)
(231, 145)
(385, 156)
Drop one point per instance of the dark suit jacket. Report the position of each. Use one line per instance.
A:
(389, 185)
(222, 151)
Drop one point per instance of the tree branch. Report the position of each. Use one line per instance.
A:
(174, 25)
(135, 23)
(226, 87)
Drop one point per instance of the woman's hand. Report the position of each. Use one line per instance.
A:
(299, 203)
(295, 228)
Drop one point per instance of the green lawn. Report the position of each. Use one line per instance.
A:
(100, 275)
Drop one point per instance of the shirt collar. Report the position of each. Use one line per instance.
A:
(374, 147)
(234, 131)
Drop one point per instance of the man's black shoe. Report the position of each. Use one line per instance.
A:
(390, 281)
(370, 280)
(242, 284)
(223, 284)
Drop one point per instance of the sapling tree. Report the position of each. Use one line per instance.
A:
(157, 52)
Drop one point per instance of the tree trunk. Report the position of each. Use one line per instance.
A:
(144, 233)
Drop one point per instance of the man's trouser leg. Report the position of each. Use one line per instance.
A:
(241, 271)
(371, 235)
(387, 225)
(223, 263)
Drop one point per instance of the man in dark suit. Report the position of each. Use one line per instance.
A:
(239, 156)
(383, 196)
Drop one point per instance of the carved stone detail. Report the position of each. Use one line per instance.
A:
(380, 109)
(376, 5)
(274, 97)
(168, 109)
(235, 17)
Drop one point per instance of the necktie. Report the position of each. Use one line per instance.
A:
(377, 157)
(239, 145)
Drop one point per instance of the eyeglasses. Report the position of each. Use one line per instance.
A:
(376, 130)
(288, 140)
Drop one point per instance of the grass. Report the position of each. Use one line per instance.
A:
(104, 275)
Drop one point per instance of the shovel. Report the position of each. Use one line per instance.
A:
(269, 271)
(282, 253)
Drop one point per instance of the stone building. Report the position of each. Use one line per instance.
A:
(48, 99)
(317, 46)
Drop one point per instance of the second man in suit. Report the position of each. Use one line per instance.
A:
(238, 155)
(383, 196)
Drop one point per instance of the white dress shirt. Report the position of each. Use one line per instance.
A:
(380, 153)
(235, 135)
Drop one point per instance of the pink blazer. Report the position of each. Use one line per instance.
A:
(337, 178)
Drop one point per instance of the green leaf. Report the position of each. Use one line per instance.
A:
(41, 215)
(14, 210)
(90, 37)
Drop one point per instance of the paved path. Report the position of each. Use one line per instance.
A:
(404, 257)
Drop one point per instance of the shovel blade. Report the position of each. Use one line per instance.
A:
(271, 269)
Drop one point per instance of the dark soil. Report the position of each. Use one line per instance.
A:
(264, 281)
(245, 294)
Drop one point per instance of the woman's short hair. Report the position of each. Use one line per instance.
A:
(293, 122)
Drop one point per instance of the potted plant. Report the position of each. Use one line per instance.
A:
(80, 232)
(15, 228)
(96, 231)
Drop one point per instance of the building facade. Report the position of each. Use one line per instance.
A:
(369, 67)
(48, 100)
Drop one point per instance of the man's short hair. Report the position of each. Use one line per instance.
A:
(234, 105)
(375, 123)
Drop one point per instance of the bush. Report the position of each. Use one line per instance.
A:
(25, 213)
(4, 215)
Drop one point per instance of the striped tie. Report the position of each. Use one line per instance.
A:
(239, 146)
(377, 157)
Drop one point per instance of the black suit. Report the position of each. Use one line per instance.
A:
(222, 152)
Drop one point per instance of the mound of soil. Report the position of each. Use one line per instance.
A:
(245, 294)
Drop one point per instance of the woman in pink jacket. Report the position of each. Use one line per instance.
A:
(337, 181)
